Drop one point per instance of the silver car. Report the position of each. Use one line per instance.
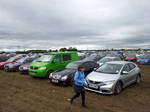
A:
(107, 59)
(112, 77)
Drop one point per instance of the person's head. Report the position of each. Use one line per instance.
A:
(80, 68)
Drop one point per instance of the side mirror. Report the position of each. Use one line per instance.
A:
(54, 61)
(124, 72)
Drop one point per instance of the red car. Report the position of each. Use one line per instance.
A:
(24, 68)
(11, 60)
(131, 57)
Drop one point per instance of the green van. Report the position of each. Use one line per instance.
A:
(50, 62)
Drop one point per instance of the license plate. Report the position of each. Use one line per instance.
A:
(93, 86)
(142, 62)
(32, 73)
(54, 80)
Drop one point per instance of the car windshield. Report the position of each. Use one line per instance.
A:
(10, 60)
(45, 58)
(19, 55)
(21, 60)
(92, 57)
(72, 65)
(109, 68)
(131, 56)
(104, 60)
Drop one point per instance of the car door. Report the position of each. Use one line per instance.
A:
(57, 62)
(133, 72)
(127, 77)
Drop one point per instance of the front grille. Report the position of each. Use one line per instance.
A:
(95, 82)
(21, 68)
(34, 68)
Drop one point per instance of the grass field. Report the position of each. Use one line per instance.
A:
(24, 93)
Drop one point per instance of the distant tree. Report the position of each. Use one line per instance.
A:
(72, 49)
(63, 49)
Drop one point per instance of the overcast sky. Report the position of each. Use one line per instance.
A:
(84, 24)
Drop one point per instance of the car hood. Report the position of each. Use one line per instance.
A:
(3, 63)
(130, 58)
(65, 71)
(96, 76)
(25, 65)
(39, 64)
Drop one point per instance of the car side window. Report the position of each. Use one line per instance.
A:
(126, 68)
(66, 57)
(132, 66)
(92, 64)
(86, 66)
(58, 58)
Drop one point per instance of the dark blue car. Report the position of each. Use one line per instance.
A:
(144, 60)
(15, 66)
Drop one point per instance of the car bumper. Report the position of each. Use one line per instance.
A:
(9, 69)
(1, 67)
(104, 89)
(37, 73)
(59, 82)
(142, 63)
(24, 71)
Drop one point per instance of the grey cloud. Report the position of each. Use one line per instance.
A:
(53, 24)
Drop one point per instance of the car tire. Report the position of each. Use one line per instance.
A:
(72, 80)
(118, 88)
(48, 73)
(17, 69)
(138, 79)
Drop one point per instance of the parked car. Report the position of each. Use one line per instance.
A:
(11, 60)
(144, 60)
(10, 55)
(65, 76)
(3, 58)
(107, 59)
(131, 57)
(22, 55)
(115, 55)
(24, 68)
(112, 77)
(93, 57)
(50, 62)
(15, 66)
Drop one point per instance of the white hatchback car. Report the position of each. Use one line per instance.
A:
(112, 77)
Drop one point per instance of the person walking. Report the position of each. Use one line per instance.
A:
(79, 85)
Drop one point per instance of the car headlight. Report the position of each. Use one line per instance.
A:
(42, 68)
(51, 75)
(109, 82)
(64, 77)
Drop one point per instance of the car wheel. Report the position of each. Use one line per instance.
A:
(118, 88)
(138, 79)
(17, 69)
(72, 80)
(48, 73)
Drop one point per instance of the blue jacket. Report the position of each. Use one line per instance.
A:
(79, 78)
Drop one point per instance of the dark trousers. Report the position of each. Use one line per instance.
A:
(82, 95)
